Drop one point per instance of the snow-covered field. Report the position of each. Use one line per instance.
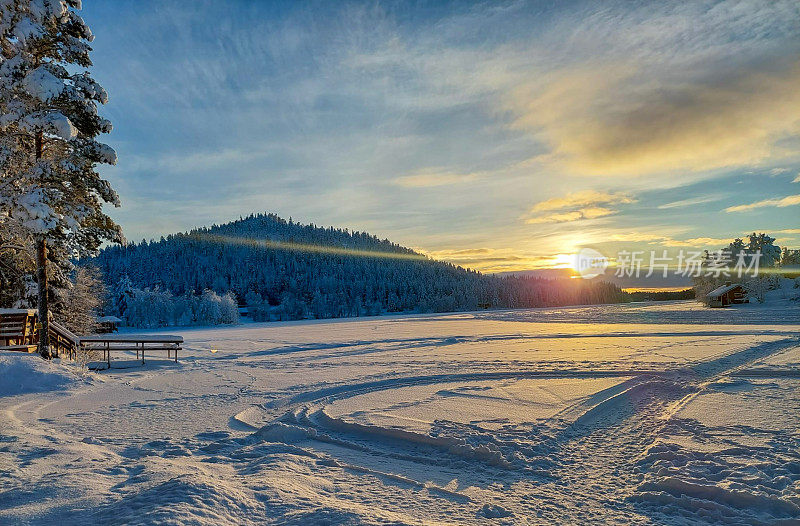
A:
(642, 413)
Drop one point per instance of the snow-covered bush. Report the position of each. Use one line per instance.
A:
(80, 303)
(703, 285)
(146, 308)
(757, 288)
(213, 309)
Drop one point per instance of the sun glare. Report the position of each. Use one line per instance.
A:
(565, 261)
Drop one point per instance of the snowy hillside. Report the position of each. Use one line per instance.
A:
(668, 413)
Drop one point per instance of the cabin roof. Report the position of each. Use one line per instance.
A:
(719, 291)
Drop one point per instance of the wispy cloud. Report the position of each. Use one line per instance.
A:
(594, 212)
(668, 241)
(638, 237)
(779, 202)
(430, 179)
(697, 242)
(626, 90)
(610, 121)
(690, 202)
(493, 259)
(588, 204)
(583, 199)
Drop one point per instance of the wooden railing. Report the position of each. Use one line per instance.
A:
(63, 341)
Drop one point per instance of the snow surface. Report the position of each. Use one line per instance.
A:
(647, 413)
(19, 376)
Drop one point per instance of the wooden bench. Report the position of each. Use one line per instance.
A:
(108, 343)
(18, 329)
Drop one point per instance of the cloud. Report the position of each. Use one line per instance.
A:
(431, 179)
(492, 259)
(779, 202)
(587, 204)
(194, 161)
(614, 120)
(623, 90)
(668, 241)
(582, 199)
(637, 237)
(575, 215)
(631, 91)
(697, 242)
(690, 202)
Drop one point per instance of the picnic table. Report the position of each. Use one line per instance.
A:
(106, 343)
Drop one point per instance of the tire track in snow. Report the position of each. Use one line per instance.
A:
(613, 445)
(609, 429)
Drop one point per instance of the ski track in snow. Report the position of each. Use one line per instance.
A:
(599, 414)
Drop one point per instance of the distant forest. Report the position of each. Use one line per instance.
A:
(283, 270)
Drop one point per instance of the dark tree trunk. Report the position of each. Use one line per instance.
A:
(44, 308)
(41, 278)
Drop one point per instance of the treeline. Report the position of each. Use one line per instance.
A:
(283, 270)
(662, 295)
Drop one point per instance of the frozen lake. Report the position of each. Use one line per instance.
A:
(640, 413)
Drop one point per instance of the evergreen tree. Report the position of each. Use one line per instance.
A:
(49, 189)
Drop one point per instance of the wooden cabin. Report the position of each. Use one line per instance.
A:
(726, 295)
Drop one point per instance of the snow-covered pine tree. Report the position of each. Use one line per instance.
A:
(48, 151)
(17, 264)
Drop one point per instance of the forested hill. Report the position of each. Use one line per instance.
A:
(273, 228)
(288, 270)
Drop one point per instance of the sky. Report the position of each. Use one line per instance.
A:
(495, 135)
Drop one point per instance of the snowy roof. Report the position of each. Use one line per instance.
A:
(716, 293)
(131, 338)
(29, 312)
(109, 319)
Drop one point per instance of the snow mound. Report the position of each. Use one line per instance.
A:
(494, 511)
(280, 432)
(727, 485)
(28, 373)
(188, 499)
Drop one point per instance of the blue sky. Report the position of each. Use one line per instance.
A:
(497, 135)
